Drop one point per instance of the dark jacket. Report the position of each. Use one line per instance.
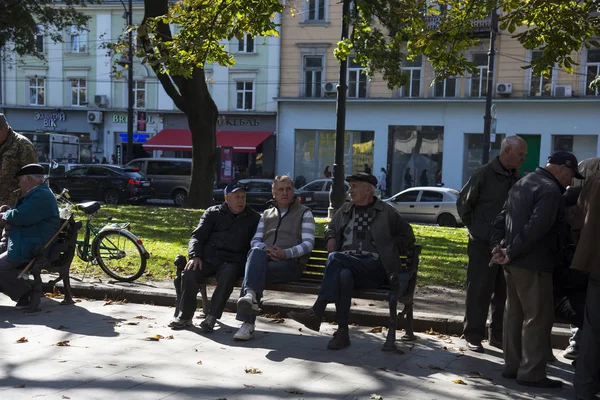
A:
(482, 198)
(530, 222)
(222, 236)
(392, 235)
(33, 221)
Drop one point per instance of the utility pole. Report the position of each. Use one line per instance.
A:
(337, 195)
(487, 119)
(130, 98)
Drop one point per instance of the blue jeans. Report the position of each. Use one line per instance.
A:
(343, 273)
(260, 272)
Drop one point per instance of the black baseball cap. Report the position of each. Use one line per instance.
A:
(234, 187)
(31, 169)
(567, 159)
(363, 177)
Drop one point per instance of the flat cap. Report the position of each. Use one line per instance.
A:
(363, 177)
(31, 169)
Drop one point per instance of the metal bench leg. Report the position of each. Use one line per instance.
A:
(390, 341)
(180, 262)
(36, 293)
(67, 287)
(408, 323)
(205, 306)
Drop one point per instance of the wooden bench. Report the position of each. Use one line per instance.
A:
(310, 282)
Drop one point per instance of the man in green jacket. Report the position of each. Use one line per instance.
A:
(478, 204)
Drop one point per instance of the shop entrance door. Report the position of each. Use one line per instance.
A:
(533, 153)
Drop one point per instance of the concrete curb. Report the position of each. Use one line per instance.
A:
(376, 316)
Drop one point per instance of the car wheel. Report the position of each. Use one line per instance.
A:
(447, 220)
(179, 197)
(111, 196)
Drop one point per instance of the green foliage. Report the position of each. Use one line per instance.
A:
(22, 20)
(388, 32)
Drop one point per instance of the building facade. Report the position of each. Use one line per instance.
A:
(423, 132)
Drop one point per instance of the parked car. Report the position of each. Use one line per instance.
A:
(260, 193)
(170, 176)
(321, 188)
(108, 183)
(436, 205)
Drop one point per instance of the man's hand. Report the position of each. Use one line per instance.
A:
(193, 264)
(499, 256)
(275, 253)
(331, 245)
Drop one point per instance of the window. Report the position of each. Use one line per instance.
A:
(445, 88)
(315, 10)
(39, 39)
(583, 146)
(78, 92)
(408, 197)
(315, 186)
(37, 92)
(246, 44)
(175, 168)
(540, 85)
(313, 76)
(479, 79)
(77, 172)
(431, 197)
(78, 40)
(412, 69)
(357, 80)
(592, 69)
(99, 171)
(259, 187)
(244, 93)
(139, 94)
(473, 152)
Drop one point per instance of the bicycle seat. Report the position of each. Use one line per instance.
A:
(89, 207)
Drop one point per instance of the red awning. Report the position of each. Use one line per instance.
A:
(181, 140)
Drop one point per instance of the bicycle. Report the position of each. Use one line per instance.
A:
(117, 251)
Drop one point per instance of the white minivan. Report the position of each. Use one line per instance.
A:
(171, 176)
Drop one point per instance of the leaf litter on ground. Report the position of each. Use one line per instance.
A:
(252, 370)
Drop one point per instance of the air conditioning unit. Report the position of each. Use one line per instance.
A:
(94, 117)
(504, 88)
(563, 91)
(101, 100)
(330, 87)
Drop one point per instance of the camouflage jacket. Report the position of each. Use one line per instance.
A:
(16, 152)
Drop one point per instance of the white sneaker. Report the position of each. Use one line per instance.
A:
(248, 305)
(246, 332)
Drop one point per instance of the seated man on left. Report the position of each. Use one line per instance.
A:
(33, 221)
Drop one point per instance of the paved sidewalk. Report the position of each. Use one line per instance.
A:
(107, 357)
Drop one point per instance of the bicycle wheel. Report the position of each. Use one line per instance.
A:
(119, 256)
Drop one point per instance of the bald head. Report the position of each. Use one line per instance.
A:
(512, 152)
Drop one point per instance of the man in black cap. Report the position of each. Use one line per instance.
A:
(364, 239)
(33, 222)
(526, 240)
(217, 247)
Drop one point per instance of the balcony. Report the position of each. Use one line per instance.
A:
(481, 27)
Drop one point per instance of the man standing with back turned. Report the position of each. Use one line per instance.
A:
(478, 204)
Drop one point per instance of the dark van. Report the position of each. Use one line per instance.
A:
(171, 176)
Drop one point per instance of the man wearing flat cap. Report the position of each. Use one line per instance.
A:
(526, 242)
(364, 239)
(217, 247)
(33, 221)
(16, 151)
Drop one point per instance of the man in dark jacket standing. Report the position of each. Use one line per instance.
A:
(478, 204)
(529, 227)
(217, 247)
(364, 239)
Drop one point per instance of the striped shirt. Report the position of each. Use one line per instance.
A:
(301, 249)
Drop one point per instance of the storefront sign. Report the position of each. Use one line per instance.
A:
(238, 122)
(50, 119)
(137, 137)
(122, 119)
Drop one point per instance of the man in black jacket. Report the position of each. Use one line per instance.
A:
(528, 228)
(217, 247)
(478, 204)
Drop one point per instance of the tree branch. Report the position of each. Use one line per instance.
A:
(170, 89)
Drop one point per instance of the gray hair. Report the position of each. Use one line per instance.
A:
(510, 141)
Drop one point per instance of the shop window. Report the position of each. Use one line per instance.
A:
(473, 152)
(78, 40)
(357, 80)
(540, 85)
(139, 94)
(246, 44)
(313, 76)
(79, 92)
(592, 70)
(479, 79)
(37, 95)
(583, 146)
(244, 94)
(315, 10)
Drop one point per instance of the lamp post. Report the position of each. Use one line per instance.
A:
(487, 119)
(130, 97)
(337, 195)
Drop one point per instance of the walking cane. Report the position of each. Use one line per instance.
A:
(28, 267)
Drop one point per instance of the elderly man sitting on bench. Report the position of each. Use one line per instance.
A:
(365, 239)
(33, 222)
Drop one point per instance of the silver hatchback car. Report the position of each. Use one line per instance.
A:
(434, 205)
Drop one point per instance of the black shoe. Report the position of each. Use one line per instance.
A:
(208, 325)
(24, 301)
(543, 383)
(307, 318)
(476, 347)
(341, 340)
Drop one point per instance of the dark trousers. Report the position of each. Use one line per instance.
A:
(486, 287)
(571, 308)
(343, 273)
(10, 285)
(226, 275)
(528, 323)
(260, 272)
(587, 371)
